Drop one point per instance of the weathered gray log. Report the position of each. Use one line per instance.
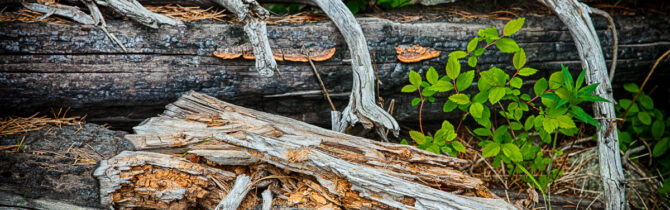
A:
(44, 65)
(382, 172)
(576, 17)
(69, 12)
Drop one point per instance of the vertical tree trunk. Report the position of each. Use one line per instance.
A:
(576, 17)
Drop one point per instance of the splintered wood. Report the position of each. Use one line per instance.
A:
(300, 164)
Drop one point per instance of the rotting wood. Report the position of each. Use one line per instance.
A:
(384, 173)
(123, 89)
(236, 194)
(575, 15)
(153, 180)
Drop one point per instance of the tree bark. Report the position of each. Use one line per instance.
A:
(382, 174)
(576, 17)
(45, 65)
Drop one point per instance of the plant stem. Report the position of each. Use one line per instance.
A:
(420, 110)
(461, 121)
(508, 122)
(515, 73)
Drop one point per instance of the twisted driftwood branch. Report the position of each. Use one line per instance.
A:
(576, 17)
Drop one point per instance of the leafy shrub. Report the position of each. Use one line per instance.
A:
(645, 123)
(359, 5)
(559, 98)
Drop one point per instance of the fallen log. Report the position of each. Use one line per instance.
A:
(349, 171)
(46, 64)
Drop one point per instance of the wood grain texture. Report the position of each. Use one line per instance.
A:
(382, 172)
(45, 65)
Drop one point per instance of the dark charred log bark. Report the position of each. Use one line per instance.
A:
(46, 65)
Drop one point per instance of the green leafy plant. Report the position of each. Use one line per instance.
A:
(645, 124)
(552, 109)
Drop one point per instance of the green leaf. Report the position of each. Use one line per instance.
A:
(565, 121)
(472, 45)
(631, 87)
(661, 147)
(495, 94)
(567, 78)
(549, 124)
(404, 141)
(464, 81)
(460, 98)
(449, 106)
(519, 58)
(432, 75)
(527, 71)
(540, 86)
(529, 123)
(481, 97)
(657, 129)
(491, 149)
(414, 78)
(507, 45)
(482, 132)
(580, 79)
(453, 68)
(479, 51)
(588, 90)
(644, 117)
(512, 152)
(446, 125)
(556, 80)
(442, 86)
(418, 137)
(646, 101)
(434, 149)
(490, 34)
(458, 54)
(516, 82)
(580, 114)
(458, 146)
(513, 26)
(416, 101)
(472, 61)
(476, 110)
(408, 89)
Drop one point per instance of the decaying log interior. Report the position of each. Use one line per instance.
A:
(225, 143)
(123, 88)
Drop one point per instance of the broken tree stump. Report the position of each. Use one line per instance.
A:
(346, 171)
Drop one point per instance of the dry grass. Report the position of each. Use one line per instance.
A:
(27, 16)
(188, 14)
(14, 125)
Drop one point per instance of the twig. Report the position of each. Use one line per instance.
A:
(615, 38)
(644, 83)
(323, 86)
